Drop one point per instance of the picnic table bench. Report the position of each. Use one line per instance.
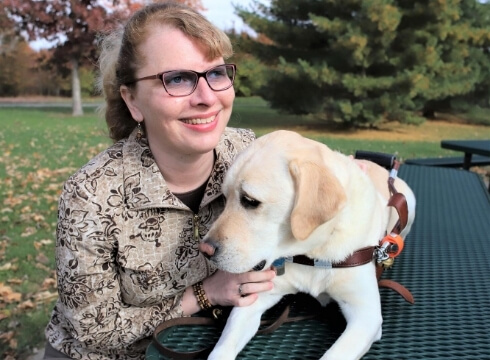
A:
(446, 266)
(475, 153)
(450, 161)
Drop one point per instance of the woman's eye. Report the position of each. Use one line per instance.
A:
(249, 203)
(178, 78)
(217, 73)
(175, 80)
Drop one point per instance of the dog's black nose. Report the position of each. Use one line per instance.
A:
(208, 248)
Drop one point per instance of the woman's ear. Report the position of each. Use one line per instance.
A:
(128, 97)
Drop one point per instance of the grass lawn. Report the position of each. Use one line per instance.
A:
(42, 146)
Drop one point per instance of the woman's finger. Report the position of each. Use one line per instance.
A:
(247, 300)
(257, 276)
(255, 287)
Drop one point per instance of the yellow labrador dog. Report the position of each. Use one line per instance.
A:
(287, 196)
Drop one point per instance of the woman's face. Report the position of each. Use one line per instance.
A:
(178, 126)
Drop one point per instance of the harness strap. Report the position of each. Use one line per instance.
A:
(358, 258)
(218, 319)
(399, 288)
(397, 200)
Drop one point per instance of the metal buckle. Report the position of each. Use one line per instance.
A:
(381, 253)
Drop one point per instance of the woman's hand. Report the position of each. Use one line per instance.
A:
(223, 288)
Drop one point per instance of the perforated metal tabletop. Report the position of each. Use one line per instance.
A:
(445, 264)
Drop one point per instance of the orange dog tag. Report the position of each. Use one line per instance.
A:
(395, 246)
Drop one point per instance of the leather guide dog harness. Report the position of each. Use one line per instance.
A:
(383, 254)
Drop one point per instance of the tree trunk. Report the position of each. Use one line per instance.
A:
(76, 90)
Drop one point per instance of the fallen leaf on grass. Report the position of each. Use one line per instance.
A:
(38, 217)
(13, 344)
(3, 245)
(12, 201)
(28, 231)
(49, 283)
(41, 243)
(26, 305)
(42, 267)
(43, 259)
(26, 209)
(7, 336)
(8, 295)
(4, 314)
(15, 281)
(6, 267)
(9, 267)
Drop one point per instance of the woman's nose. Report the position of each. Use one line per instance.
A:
(203, 93)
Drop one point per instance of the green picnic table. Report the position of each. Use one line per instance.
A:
(446, 266)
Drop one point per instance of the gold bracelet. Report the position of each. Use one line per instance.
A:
(202, 299)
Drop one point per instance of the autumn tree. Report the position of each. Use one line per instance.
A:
(71, 25)
(9, 46)
(366, 61)
(17, 61)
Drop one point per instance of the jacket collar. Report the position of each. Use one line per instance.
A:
(144, 185)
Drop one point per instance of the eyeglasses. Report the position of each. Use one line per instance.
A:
(184, 82)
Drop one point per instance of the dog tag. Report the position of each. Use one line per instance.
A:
(388, 263)
(280, 266)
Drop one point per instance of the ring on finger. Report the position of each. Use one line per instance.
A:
(240, 290)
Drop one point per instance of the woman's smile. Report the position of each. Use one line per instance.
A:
(203, 123)
(199, 121)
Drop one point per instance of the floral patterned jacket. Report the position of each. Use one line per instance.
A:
(127, 248)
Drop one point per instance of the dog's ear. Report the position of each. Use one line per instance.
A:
(318, 197)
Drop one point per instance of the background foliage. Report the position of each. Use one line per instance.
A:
(359, 63)
(365, 62)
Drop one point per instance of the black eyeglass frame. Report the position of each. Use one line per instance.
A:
(203, 74)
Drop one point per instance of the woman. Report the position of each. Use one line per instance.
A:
(131, 219)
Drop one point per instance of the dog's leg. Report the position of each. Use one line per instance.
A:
(241, 326)
(361, 306)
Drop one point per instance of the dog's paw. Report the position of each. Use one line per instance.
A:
(220, 354)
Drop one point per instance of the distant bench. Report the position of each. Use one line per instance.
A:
(452, 161)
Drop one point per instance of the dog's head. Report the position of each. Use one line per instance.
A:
(278, 191)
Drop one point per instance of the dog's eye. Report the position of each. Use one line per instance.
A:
(249, 203)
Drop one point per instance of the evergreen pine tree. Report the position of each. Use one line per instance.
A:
(365, 61)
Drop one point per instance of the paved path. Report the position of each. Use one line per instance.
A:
(37, 356)
(6, 104)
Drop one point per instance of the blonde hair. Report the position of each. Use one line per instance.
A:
(120, 56)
